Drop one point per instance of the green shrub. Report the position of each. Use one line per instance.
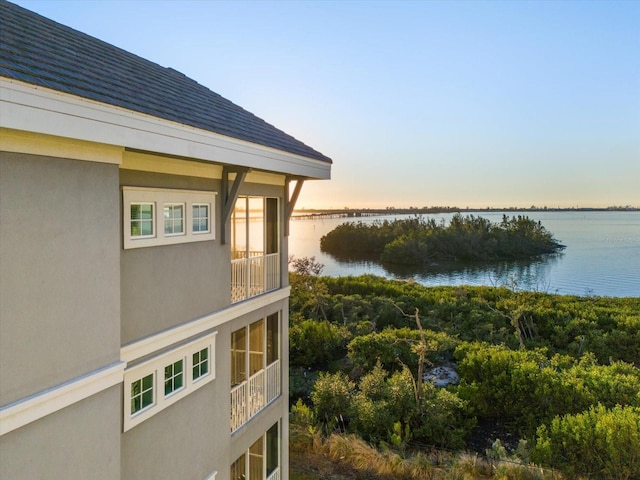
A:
(440, 420)
(331, 397)
(302, 415)
(600, 443)
(315, 343)
(528, 388)
(391, 348)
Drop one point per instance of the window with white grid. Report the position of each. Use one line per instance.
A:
(155, 384)
(200, 218)
(154, 217)
(173, 377)
(173, 219)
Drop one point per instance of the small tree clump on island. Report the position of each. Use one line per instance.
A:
(417, 241)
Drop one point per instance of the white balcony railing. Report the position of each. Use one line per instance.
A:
(249, 397)
(275, 475)
(256, 393)
(254, 275)
(238, 406)
(273, 381)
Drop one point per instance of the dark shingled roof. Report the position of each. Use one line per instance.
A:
(39, 51)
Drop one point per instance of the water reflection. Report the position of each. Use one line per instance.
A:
(602, 257)
(530, 274)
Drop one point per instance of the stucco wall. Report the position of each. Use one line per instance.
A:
(59, 264)
(79, 442)
(168, 285)
(192, 437)
(165, 286)
(186, 440)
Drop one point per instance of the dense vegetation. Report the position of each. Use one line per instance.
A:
(543, 378)
(416, 241)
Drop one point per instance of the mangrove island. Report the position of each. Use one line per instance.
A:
(416, 240)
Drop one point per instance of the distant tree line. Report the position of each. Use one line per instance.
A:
(417, 240)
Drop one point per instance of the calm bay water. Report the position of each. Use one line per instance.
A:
(602, 255)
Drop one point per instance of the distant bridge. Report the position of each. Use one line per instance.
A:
(367, 212)
(376, 212)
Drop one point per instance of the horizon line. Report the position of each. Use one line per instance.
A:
(468, 209)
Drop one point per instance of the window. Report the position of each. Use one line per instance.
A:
(173, 219)
(273, 449)
(141, 393)
(262, 460)
(173, 377)
(273, 349)
(238, 356)
(161, 381)
(200, 363)
(154, 217)
(256, 459)
(256, 377)
(255, 257)
(141, 220)
(263, 348)
(200, 216)
(256, 347)
(239, 468)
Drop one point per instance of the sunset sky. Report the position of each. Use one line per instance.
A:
(418, 103)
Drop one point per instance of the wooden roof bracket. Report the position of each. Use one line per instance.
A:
(290, 199)
(229, 196)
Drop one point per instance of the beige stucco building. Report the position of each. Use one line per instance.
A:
(143, 267)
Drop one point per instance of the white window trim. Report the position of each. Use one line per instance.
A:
(153, 376)
(203, 375)
(208, 230)
(212, 475)
(184, 219)
(153, 221)
(160, 197)
(156, 366)
(185, 374)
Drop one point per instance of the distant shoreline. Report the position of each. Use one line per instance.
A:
(370, 212)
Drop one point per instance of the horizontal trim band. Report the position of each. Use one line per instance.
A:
(19, 141)
(39, 405)
(30, 409)
(157, 342)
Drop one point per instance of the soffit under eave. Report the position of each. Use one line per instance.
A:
(174, 165)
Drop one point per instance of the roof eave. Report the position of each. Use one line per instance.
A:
(41, 110)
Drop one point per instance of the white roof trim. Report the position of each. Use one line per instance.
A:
(37, 109)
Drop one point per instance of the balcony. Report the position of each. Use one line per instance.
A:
(275, 475)
(250, 397)
(257, 274)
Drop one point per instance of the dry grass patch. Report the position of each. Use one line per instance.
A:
(347, 457)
